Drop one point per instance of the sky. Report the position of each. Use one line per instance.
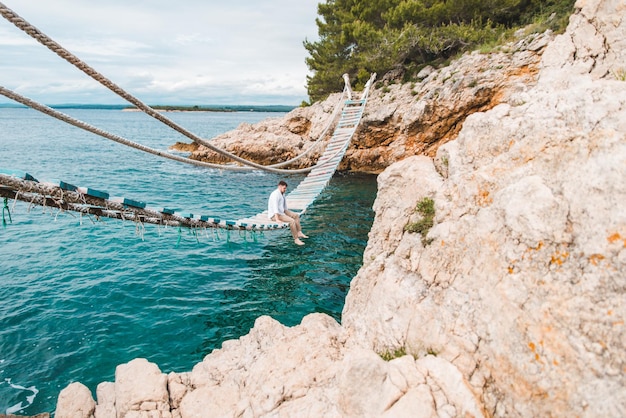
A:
(187, 52)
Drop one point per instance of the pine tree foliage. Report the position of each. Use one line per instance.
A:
(360, 37)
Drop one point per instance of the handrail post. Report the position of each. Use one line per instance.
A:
(369, 83)
(346, 80)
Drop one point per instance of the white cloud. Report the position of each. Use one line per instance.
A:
(109, 49)
(198, 51)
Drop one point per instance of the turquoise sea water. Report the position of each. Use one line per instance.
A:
(78, 297)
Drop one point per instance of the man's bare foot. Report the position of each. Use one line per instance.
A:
(301, 235)
(298, 241)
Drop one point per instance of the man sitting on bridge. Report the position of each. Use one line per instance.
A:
(277, 211)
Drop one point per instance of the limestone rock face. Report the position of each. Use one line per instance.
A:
(273, 369)
(594, 43)
(302, 371)
(522, 287)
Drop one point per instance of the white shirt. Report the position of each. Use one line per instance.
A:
(276, 204)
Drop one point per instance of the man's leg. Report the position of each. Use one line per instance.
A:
(296, 218)
(292, 223)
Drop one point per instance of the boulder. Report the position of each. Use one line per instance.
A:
(75, 401)
(140, 386)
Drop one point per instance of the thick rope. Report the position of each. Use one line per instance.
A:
(52, 196)
(90, 128)
(35, 33)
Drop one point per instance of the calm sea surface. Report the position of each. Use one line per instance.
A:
(80, 296)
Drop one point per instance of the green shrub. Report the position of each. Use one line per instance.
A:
(360, 38)
(390, 355)
(426, 208)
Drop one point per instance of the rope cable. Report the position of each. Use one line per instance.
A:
(90, 128)
(49, 43)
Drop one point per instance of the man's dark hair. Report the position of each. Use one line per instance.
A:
(282, 183)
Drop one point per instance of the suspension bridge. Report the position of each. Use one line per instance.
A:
(23, 186)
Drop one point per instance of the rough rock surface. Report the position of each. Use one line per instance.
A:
(512, 305)
(75, 401)
(523, 285)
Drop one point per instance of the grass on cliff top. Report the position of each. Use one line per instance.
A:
(554, 17)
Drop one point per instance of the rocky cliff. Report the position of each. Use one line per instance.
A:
(511, 304)
(400, 119)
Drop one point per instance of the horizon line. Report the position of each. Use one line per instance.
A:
(130, 106)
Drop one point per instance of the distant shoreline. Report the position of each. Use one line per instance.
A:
(169, 108)
(224, 108)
